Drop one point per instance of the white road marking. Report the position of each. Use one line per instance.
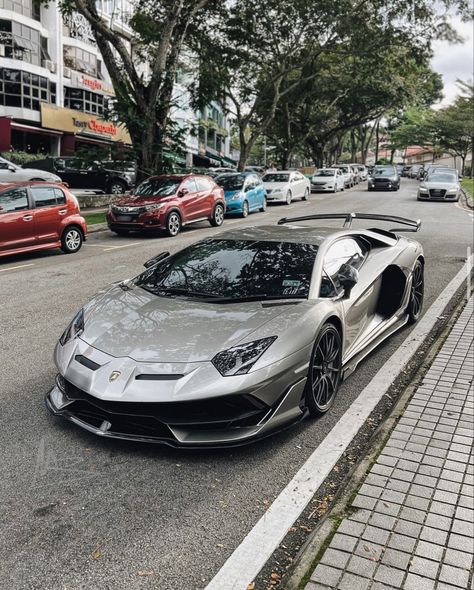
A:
(15, 267)
(257, 547)
(123, 246)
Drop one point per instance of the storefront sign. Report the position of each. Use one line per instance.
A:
(80, 123)
(82, 81)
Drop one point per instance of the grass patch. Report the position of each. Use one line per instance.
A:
(468, 186)
(336, 522)
(93, 218)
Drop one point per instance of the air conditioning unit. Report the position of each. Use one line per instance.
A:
(49, 65)
(67, 72)
(2, 50)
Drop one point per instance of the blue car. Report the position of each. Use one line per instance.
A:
(244, 192)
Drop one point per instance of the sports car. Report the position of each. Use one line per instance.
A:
(239, 335)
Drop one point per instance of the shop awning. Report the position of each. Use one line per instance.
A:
(32, 129)
(229, 161)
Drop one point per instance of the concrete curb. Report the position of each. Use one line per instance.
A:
(96, 227)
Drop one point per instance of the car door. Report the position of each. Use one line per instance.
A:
(249, 191)
(49, 209)
(189, 203)
(17, 225)
(204, 198)
(360, 306)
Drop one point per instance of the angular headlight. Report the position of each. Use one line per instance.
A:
(154, 207)
(236, 196)
(238, 360)
(75, 328)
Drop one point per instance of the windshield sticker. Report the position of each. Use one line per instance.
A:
(291, 283)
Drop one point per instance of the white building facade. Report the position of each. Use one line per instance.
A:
(54, 86)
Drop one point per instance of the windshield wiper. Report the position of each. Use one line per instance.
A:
(178, 291)
(246, 298)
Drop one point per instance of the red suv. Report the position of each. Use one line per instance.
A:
(39, 216)
(168, 202)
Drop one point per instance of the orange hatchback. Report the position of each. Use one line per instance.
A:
(39, 216)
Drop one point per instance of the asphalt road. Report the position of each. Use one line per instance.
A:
(78, 512)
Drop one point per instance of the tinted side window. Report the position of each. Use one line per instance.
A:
(15, 199)
(345, 251)
(43, 196)
(60, 196)
(190, 185)
(203, 184)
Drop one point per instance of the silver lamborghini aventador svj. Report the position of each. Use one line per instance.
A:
(239, 335)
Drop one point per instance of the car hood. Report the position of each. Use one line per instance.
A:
(148, 328)
(441, 185)
(276, 185)
(229, 194)
(141, 200)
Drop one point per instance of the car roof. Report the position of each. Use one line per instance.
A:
(4, 185)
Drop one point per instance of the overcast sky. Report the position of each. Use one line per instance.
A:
(454, 61)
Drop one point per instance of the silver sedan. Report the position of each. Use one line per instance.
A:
(440, 185)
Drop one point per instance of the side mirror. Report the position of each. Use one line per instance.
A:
(158, 258)
(460, 177)
(348, 277)
(247, 188)
(183, 192)
(11, 168)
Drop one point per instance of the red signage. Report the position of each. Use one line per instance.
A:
(99, 127)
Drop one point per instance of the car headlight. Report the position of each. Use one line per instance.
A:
(452, 191)
(75, 328)
(238, 360)
(236, 196)
(154, 207)
(423, 189)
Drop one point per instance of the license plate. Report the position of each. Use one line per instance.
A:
(124, 218)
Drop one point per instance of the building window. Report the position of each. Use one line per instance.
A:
(80, 60)
(77, 26)
(19, 42)
(28, 8)
(83, 100)
(25, 90)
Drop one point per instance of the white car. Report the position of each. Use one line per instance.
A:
(363, 172)
(285, 185)
(10, 172)
(327, 180)
(347, 174)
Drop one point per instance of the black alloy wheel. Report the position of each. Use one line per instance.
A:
(417, 293)
(117, 188)
(325, 368)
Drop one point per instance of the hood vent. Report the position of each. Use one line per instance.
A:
(158, 377)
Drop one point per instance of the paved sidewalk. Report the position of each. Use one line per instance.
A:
(412, 525)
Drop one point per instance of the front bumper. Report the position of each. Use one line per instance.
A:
(323, 188)
(276, 197)
(136, 223)
(177, 404)
(440, 195)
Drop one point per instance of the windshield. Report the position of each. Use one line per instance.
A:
(439, 177)
(345, 169)
(276, 178)
(325, 173)
(234, 270)
(388, 171)
(158, 187)
(232, 182)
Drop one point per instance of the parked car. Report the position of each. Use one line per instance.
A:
(384, 177)
(363, 172)
(327, 180)
(244, 192)
(214, 172)
(416, 171)
(347, 173)
(168, 203)
(82, 175)
(39, 216)
(126, 168)
(355, 172)
(260, 170)
(10, 172)
(200, 350)
(435, 167)
(405, 171)
(440, 185)
(285, 185)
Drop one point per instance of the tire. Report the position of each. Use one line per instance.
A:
(245, 209)
(121, 232)
(288, 198)
(117, 187)
(325, 368)
(71, 239)
(306, 195)
(263, 208)
(217, 218)
(415, 305)
(173, 224)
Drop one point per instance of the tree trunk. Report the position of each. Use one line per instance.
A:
(377, 140)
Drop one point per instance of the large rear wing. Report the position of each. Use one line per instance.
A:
(409, 224)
